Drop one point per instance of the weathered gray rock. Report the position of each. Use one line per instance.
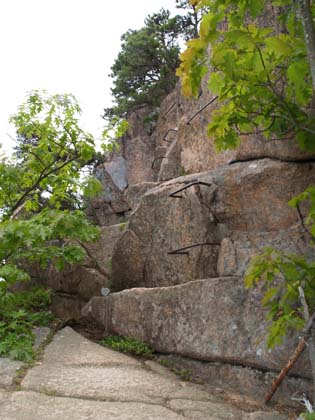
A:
(261, 415)
(214, 319)
(34, 406)
(138, 125)
(127, 274)
(41, 335)
(69, 348)
(242, 208)
(168, 117)
(108, 207)
(237, 250)
(159, 225)
(84, 282)
(117, 170)
(80, 380)
(113, 383)
(74, 367)
(9, 368)
(139, 155)
(101, 251)
(253, 384)
(8, 371)
(171, 164)
(134, 193)
(198, 151)
(253, 196)
(204, 410)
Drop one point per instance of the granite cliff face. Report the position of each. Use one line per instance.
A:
(179, 226)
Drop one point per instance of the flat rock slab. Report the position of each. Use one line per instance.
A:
(8, 370)
(205, 410)
(33, 406)
(71, 349)
(4, 396)
(122, 383)
(80, 380)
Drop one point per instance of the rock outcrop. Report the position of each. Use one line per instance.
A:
(213, 319)
(197, 218)
(180, 224)
(226, 216)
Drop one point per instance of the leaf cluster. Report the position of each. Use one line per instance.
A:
(127, 345)
(41, 188)
(51, 150)
(114, 129)
(282, 274)
(260, 73)
(20, 312)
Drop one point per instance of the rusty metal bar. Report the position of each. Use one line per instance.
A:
(155, 159)
(174, 193)
(168, 111)
(168, 131)
(182, 251)
(201, 109)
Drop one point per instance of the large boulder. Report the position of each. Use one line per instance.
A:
(227, 215)
(159, 225)
(211, 319)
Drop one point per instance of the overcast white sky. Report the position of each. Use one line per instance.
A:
(64, 46)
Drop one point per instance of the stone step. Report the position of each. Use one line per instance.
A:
(80, 380)
(213, 319)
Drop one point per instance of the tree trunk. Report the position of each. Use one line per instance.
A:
(309, 35)
(311, 340)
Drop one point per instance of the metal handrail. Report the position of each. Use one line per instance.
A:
(173, 194)
(166, 134)
(182, 251)
(155, 159)
(201, 109)
(169, 110)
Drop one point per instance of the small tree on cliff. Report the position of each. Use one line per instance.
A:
(144, 70)
(264, 79)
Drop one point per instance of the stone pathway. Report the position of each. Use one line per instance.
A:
(80, 380)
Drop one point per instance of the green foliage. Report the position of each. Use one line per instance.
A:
(260, 74)
(20, 312)
(114, 129)
(307, 196)
(122, 226)
(144, 70)
(308, 416)
(191, 20)
(52, 148)
(127, 345)
(41, 186)
(282, 275)
(184, 374)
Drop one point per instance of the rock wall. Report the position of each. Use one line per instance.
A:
(179, 225)
(197, 218)
(226, 215)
